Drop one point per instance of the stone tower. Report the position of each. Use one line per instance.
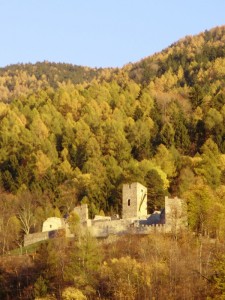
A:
(82, 212)
(175, 213)
(134, 201)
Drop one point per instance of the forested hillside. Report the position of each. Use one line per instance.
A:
(74, 135)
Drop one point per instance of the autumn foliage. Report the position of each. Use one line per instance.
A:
(71, 134)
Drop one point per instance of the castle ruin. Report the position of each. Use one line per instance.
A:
(135, 218)
(134, 201)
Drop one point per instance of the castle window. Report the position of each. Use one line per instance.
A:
(128, 202)
(50, 226)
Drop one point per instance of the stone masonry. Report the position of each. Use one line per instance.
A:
(134, 200)
(53, 223)
(175, 213)
(135, 219)
(82, 212)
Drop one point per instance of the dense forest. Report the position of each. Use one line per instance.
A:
(72, 134)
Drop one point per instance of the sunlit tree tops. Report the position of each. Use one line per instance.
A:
(98, 128)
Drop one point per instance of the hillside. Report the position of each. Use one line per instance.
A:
(21, 79)
(71, 134)
(190, 55)
(53, 72)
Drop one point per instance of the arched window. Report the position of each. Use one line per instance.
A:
(128, 202)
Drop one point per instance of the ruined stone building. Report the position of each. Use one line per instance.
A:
(135, 218)
(134, 201)
(53, 223)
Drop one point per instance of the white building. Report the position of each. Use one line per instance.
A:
(53, 223)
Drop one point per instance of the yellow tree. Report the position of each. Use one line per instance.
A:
(124, 278)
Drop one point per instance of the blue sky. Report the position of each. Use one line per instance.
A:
(99, 33)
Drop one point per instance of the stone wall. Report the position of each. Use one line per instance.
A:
(53, 223)
(122, 227)
(175, 213)
(82, 212)
(149, 229)
(30, 239)
(134, 219)
(134, 200)
(112, 227)
(33, 238)
(141, 201)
